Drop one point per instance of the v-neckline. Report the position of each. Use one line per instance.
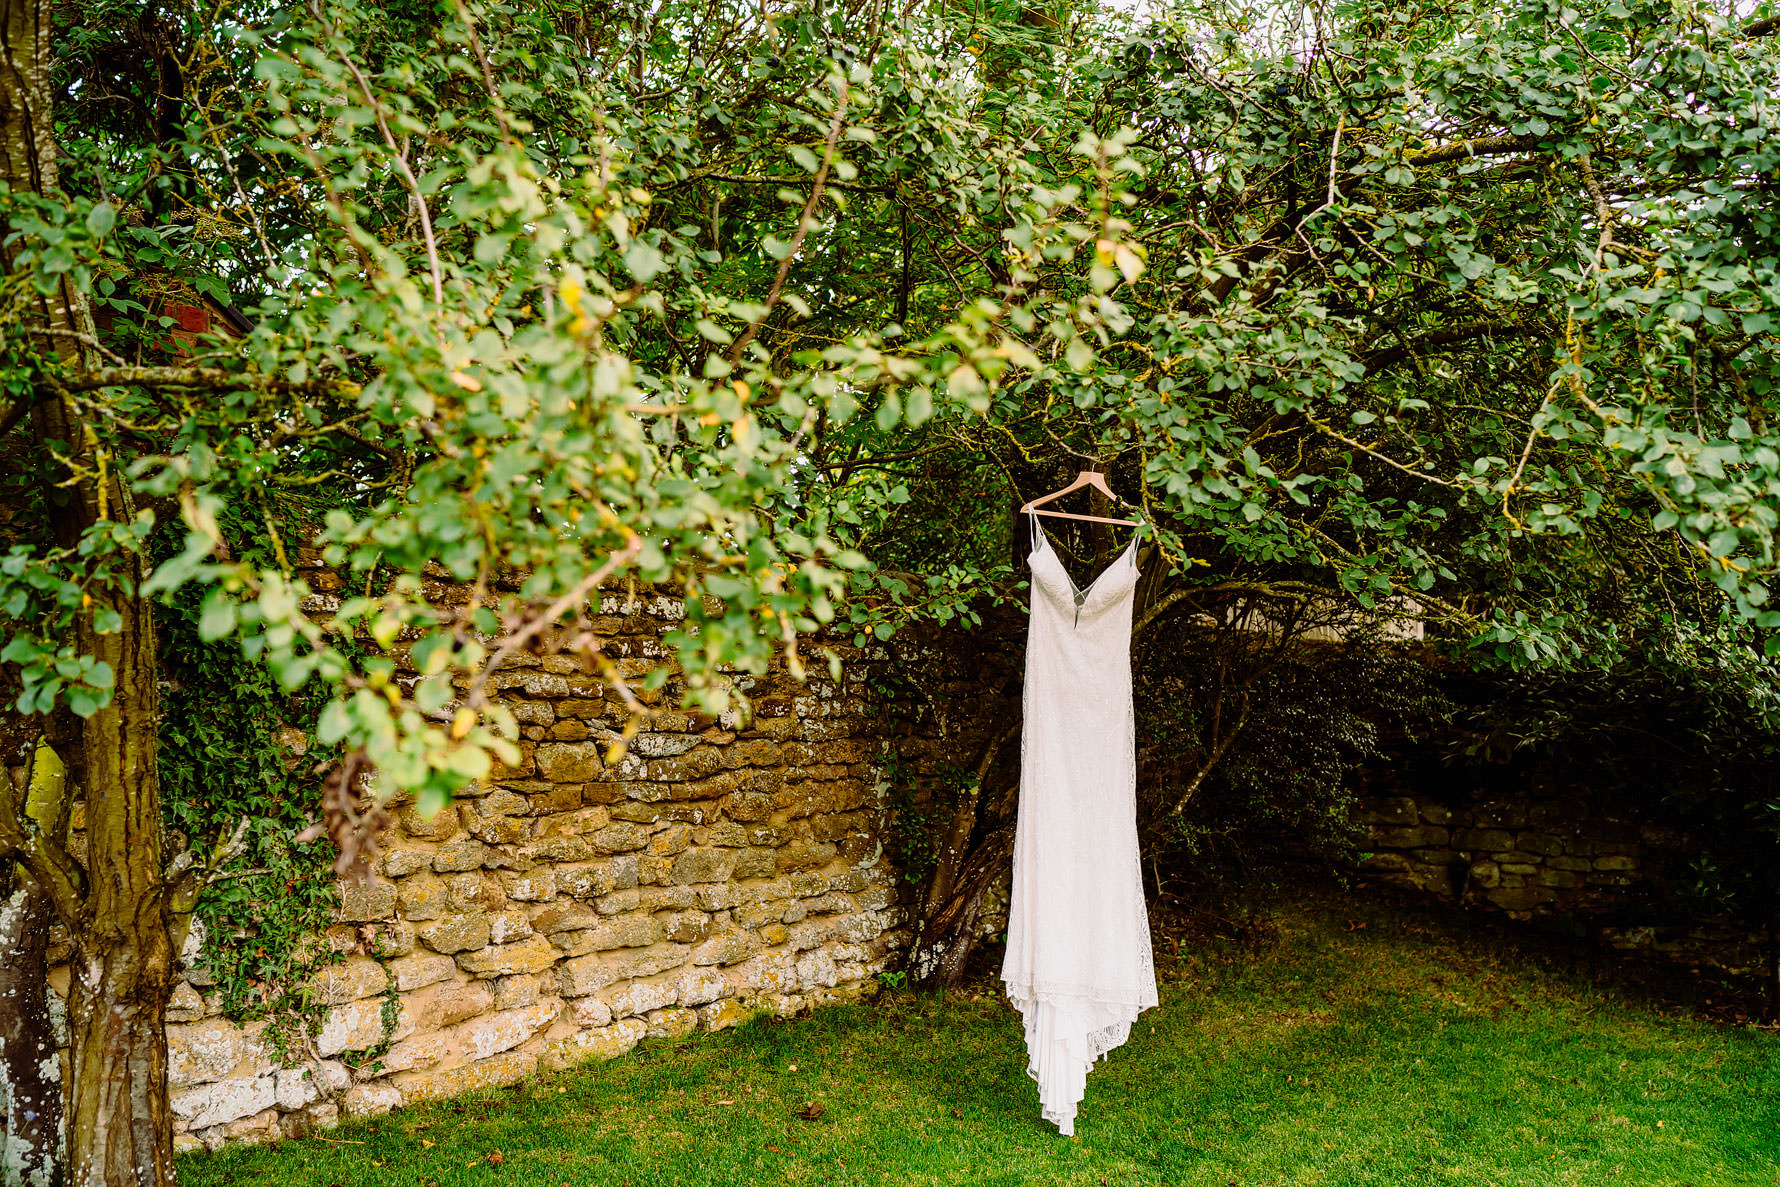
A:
(1080, 595)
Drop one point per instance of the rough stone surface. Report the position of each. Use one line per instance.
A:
(495, 1072)
(563, 909)
(532, 955)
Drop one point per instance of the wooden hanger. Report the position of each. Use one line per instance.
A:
(1085, 478)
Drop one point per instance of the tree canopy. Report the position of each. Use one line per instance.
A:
(1458, 312)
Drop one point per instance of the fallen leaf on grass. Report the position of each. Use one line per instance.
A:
(723, 1102)
(496, 1158)
(775, 1150)
(427, 1143)
(815, 1109)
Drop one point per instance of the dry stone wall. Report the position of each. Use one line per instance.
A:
(1533, 850)
(566, 909)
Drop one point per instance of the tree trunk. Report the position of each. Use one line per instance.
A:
(120, 1130)
(32, 1154)
(30, 1064)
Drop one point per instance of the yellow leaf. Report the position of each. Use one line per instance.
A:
(460, 725)
(468, 382)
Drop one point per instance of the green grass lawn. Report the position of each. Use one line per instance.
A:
(1385, 1055)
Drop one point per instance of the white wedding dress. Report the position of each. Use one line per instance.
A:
(1078, 964)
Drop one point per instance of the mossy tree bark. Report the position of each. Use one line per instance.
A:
(120, 910)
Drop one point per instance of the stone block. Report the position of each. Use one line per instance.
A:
(1522, 898)
(353, 979)
(564, 915)
(726, 948)
(465, 853)
(371, 1100)
(703, 865)
(1518, 867)
(1570, 863)
(618, 902)
(422, 969)
(367, 901)
(1543, 844)
(578, 823)
(495, 1072)
(1616, 863)
(803, 855)
(391, 939)
(504, 927)
(619, 838)
(510, 993)
(628, 963)
(225, 1100)
(685, 927)
(356, 1026)
(1483, 840)
(672, 1023)
(718, 896)
(418, 1054)
(583, 975)
(422, 896)
(471, 892)
(505, 1030)
(535, 886)
(652, 745)
(1486, 875)
(640, 997)
(589, 1011)
(1559, 879)
(806, 883)
(697, 986)
(810, 934)
(455, 933)
(769, 972)
(1499, 814)
(569, 762)
(440, 826)
(604, 1043)
(558, 849)
(653, 870)
(1412, 837)
(815, 969)
(625, 931)
(202, 1051)
(499, 830)
(867, 925)
(774, 934)
(531, 955)
(185, 1005)
(599, 878)
(722, 1015)
(670, 841)
(1431, 813)
(448, 1005)
(668, 898)
(296, 1087)
(749, 807)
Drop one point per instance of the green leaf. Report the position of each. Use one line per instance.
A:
(101, 218)
(643, 260)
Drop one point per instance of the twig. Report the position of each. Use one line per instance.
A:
(401, 162)
(476, 695)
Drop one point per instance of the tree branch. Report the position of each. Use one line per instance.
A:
(49, 863)
(803, 228)
(214, 378)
